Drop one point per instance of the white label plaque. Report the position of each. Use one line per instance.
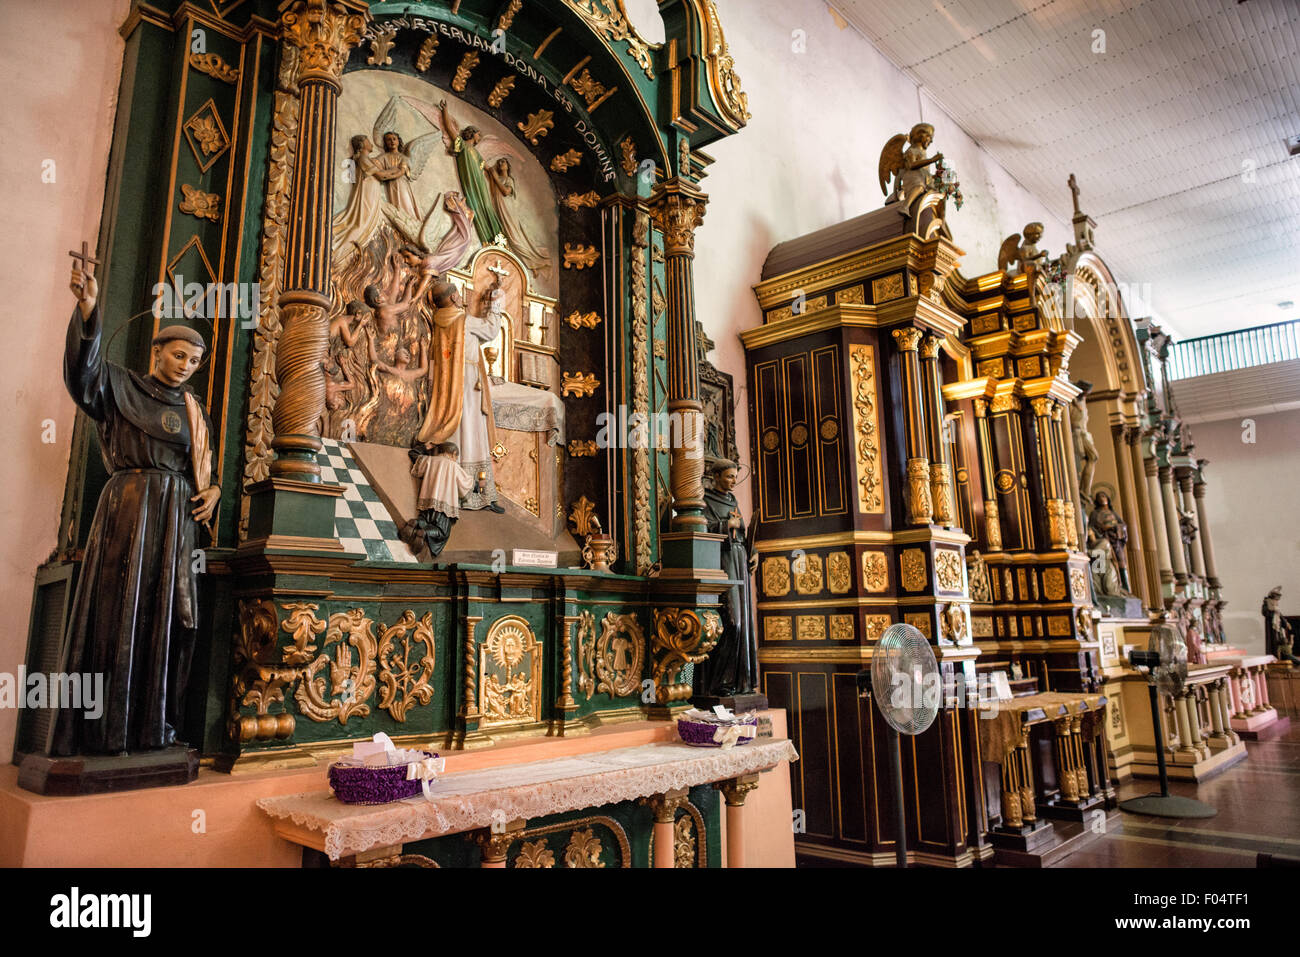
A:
(529, 556)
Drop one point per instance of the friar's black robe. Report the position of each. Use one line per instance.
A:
(732, 666)
(135, 613)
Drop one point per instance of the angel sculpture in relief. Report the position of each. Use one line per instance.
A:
(908, 166)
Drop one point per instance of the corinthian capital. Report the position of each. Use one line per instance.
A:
(325, 32)
(678, 209)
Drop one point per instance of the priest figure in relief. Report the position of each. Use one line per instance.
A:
(135, 614)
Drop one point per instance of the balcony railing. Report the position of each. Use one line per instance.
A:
(1234, 350)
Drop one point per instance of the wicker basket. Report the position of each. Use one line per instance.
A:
(363, 784)
(699, 733)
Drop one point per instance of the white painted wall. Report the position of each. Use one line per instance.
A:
(64, 113)
(809, 159)
(1251, 498)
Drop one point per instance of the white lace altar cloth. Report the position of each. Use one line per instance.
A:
(467, 800)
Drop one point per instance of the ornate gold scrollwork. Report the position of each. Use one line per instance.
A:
(583, 517)
(776, 576)
(1053, 584)
(620, 656)
(463, 71)
(580, 384)
(919, 505)
(200, 204)
(576, 201)
(535, 854)
(402, 682)
(567, 159)
(580, 256)
(875, 571)
(681, 636)
(609, 19)
(351, 686)
(678, 214)
(214, 66)
(537, 125)
(641, 389)
(584, 850)
(862, 370)
(839, 572)
(257, 680)
(808, 574)
(1078, 584)
(947, 569)
(587, 653)
(500, 91)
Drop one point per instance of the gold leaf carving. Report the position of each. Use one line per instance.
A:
(500, 91)
(580, 384)
(425, 57)
(948, 570)
(870, 482)
(609, 19)
(507, 18)
(200, 204)
(510, 673)
(681, 636)
(921, 622)
(580, 256)
(583, 517)
(887, 287)
(839, 572)
(587, 653)
(583, 320)
(463, 71)
(403, 682)
(811, 628)
(913, 569)
(535, 854)
(580, 449)
(641, 387)
(584, 850)
(576, 200)
(776, 628)
(620, 656)
(537, 126)
(1053, 584)
(325, 34)
(808, 574)
(776, 576)
(567, 159)
(350, 685)
(214, 66)
(875, 571)
(841, 627)
(1078, 584)
(380, 44)
(590, 89)
(874, 626)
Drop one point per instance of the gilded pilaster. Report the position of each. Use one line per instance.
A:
(992, 520)
(920, 506)
(1053, 501)
(941, 493)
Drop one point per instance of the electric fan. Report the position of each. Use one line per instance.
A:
(905, 683)
(1166, 662)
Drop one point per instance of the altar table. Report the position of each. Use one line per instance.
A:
(482, 799)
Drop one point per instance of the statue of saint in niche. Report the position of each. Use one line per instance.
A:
(135, 612)
(1105, 523)
(732, 666)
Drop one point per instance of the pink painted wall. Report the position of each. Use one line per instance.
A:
(60, 111)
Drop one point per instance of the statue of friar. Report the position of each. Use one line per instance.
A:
(135, 613)
(732, 667)
(1279, 639)
(1106, 523)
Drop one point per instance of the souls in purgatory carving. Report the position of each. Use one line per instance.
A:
(425, 189)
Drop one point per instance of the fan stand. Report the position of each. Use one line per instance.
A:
(900, 819)
(1164, 804)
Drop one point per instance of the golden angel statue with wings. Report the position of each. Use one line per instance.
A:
(908, 166)
(1025, 257)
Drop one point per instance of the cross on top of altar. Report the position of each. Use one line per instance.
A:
(498, 270)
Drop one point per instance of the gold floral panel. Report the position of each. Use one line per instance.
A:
(808, 574)
(811, 628)
(841, 627)
(1058, 626)
(948, 569)
(1053, 584)
(873, 626)
(1078, 584)
(776, 577)
(887, 288)
(839, 572)
(921, 622)
(912, 569)
(875, 571)
(777, 628)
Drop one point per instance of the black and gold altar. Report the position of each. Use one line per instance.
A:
(135, 613)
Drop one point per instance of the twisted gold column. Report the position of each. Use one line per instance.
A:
(920, 506)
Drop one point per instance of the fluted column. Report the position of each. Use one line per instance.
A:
(992, 521)
(664, 808)
(1172, 529)
(1157, 513)
(1138, 581)
(941, 495)
(678, 209)
(1202, 519)
(1133, 437)
(1053, 498)
(920, 506)
(1183, 476)
(324, 34)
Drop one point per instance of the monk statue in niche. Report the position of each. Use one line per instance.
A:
(1279, 638)
(135, 613)
(732, 667)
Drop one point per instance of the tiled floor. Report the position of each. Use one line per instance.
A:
(1259, 810)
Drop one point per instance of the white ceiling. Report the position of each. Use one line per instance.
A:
(1159, 129)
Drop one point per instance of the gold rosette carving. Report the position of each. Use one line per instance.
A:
(681, 636)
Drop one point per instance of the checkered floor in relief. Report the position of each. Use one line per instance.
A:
(361, 522)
